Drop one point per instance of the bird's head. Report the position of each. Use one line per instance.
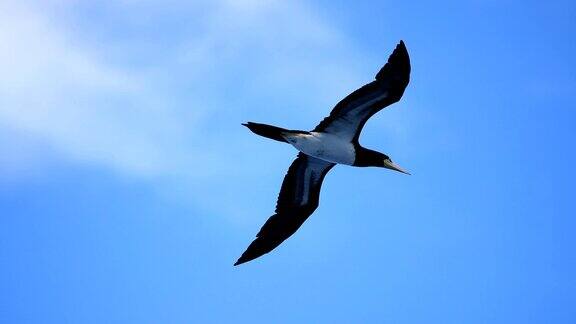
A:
(370, 158)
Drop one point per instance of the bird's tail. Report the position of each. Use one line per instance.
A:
(268, 131)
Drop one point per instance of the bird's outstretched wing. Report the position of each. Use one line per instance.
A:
(349, 115)
(298, 199)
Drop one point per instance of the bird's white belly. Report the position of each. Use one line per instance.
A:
(323, 146)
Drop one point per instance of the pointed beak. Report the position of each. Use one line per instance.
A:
(390, 165)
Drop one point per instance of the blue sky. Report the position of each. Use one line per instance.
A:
(128, 187)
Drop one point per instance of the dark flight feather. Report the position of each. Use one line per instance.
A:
(298, 198)
(351, 113)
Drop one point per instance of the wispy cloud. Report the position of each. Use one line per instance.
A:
(152, 120)
(54, 89)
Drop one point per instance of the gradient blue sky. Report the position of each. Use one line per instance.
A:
(128, 187)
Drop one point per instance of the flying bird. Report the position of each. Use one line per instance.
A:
(333, 141)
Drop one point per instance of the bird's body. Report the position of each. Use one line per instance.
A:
(333, 141)
(325, 146)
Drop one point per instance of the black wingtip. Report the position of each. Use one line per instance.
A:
(262, 245)
(239, 262)
(248, 255)
(397, 68)
(402, 46)
(244, 258)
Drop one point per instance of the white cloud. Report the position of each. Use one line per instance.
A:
(54, 89)
(140, 121)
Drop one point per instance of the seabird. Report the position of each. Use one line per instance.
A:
(333, 141)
